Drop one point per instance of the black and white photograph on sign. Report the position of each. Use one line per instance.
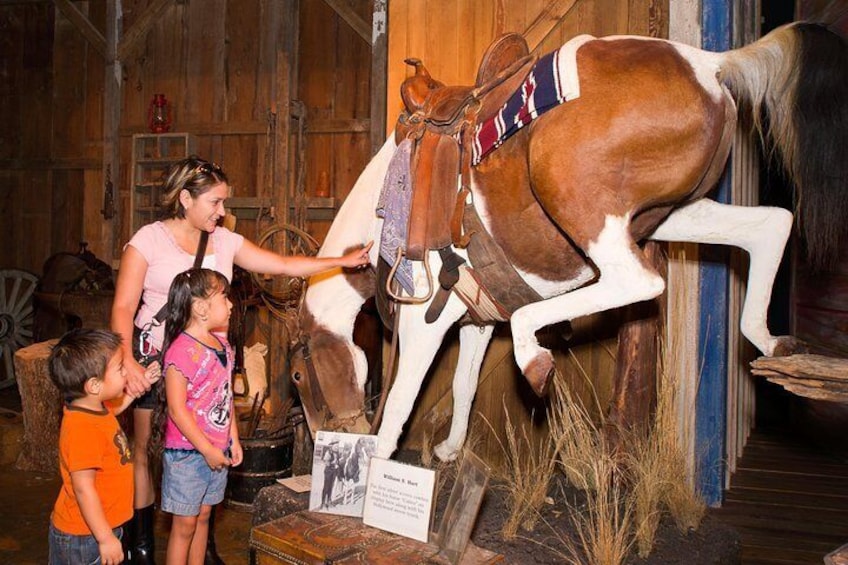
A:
(339, 472)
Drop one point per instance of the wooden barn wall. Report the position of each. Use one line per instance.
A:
(450, 37)
(26, 181)
(219, 63)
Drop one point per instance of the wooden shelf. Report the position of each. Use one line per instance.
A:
(152, 154)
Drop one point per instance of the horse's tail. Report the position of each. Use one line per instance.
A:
(798, 74)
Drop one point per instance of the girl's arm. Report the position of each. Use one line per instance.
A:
(175, 390)
(236, 451)
(127, 294)
(92, 512)
(258, 260)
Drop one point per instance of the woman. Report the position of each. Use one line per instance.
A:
(195, 191)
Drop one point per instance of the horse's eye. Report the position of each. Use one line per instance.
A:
(296, 376)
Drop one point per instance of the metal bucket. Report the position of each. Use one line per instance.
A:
(265, 461)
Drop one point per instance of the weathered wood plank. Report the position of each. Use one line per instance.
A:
(85, 27)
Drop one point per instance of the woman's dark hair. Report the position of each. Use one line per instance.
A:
(185, 288)
(193, 174)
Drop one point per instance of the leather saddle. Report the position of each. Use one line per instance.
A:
(441, 119)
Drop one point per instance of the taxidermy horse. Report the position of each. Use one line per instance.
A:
(569, 198)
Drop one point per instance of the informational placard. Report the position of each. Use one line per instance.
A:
(399, 498)
(300, 483)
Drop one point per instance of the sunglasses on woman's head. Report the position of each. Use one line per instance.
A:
(207, 169)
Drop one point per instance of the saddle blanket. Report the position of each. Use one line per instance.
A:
(551, 81)
(394, 206)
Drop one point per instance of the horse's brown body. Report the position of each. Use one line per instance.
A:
(640, 139)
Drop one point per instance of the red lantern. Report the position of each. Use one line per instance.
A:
(159, 114)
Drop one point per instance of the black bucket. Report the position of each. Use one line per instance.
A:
(265, 461)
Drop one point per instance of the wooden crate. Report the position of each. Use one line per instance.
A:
(312, 538)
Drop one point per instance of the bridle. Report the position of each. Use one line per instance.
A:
(318, 400)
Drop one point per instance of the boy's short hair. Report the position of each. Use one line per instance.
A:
(80, 355)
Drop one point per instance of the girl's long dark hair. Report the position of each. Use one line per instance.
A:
(186, 287)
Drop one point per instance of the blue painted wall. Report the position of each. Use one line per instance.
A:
(711, 400)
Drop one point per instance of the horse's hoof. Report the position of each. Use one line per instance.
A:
(445, 453)
(539, 372)
(789, 345)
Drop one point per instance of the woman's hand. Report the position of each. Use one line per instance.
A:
(358, 258)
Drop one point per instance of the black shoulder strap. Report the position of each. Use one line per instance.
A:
(198, 261)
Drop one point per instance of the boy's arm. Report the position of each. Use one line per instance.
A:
(92, 512)
(176, 389)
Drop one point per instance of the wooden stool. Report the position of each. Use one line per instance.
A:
(42, 409)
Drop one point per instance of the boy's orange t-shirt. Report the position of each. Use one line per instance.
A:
(93, 440)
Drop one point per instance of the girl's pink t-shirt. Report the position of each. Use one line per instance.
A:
(166, 259)
(209, 395)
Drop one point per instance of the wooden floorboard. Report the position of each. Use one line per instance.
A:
(787, 500)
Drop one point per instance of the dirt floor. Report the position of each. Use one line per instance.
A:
(712, 543)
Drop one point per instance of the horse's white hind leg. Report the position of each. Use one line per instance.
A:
(761, 231)
(473, 342)
(625, 278)
(418, 344)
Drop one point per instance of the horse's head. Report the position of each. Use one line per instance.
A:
(329, 373)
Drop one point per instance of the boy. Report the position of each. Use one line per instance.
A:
(94, 456)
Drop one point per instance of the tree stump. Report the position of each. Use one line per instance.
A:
(42, 409)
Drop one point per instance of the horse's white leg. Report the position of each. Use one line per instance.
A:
(761, 231)
(418, 344)
(473, 342)
(625, 278)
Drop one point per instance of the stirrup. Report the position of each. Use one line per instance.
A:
(409, 299)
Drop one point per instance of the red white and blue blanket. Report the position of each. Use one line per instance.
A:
(544, 88)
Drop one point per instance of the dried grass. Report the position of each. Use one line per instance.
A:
(526, 476)
(604, 527)
(577, 438)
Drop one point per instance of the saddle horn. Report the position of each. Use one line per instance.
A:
(415, 89)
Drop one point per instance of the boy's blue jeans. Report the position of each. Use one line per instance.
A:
(67, 549)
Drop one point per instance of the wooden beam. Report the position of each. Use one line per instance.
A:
(44, 164)
(329, 125)
(136, 34)
(346, 12)
(338, 125)
(547, 20)
(82, 23)
(111, 122)
(284, 91)
(379, 73)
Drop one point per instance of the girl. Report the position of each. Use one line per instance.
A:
(194, 430)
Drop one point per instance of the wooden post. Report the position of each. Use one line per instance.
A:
(110, 168)
(42, 409)
(635, 379)
(379, 70)
(285, 89)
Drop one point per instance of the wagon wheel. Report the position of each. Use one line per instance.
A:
(16, 318)
(280, 292)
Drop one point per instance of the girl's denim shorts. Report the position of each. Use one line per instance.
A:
(189, 483)
(68, 549)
